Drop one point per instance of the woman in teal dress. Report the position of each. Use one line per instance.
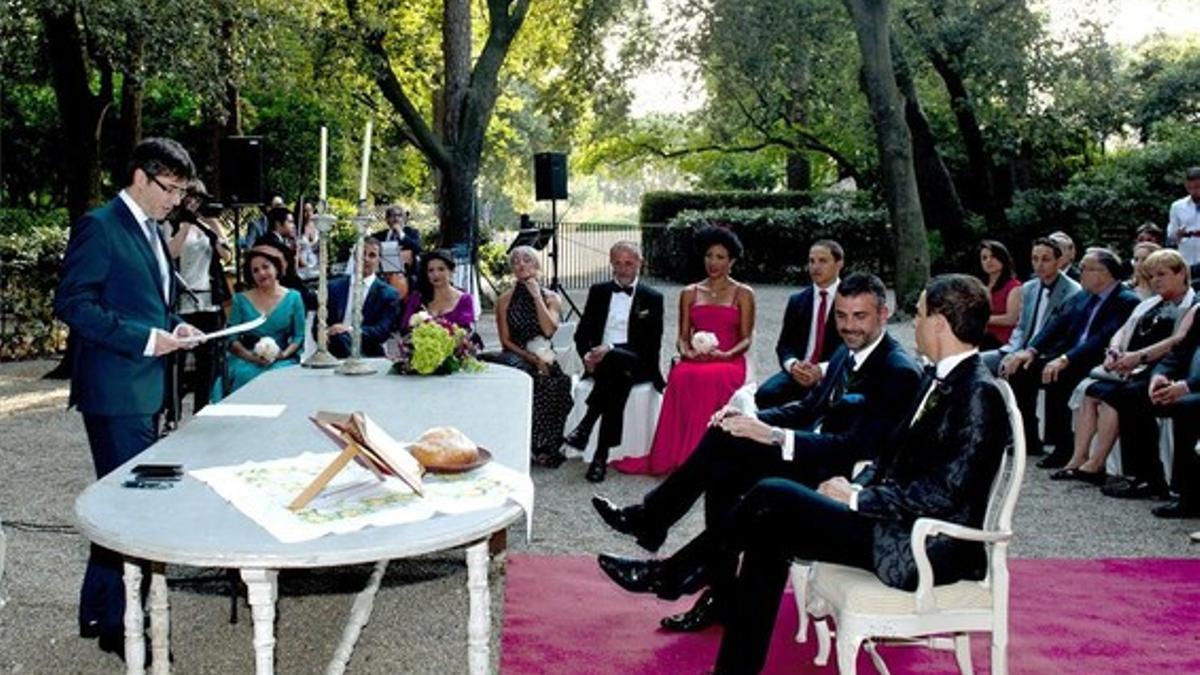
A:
(284, 310)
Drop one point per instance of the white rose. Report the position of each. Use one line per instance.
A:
(418, 319)
(541, 348)
(267, 348)
(704, 341)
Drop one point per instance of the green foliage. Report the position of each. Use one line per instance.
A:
(775, 240)
(1105, 203)
(661, 207)
(31, 249)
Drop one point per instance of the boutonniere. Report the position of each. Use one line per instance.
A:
(643, 313)
(934, 399)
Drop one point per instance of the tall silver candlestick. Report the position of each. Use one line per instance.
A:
(355, 365)
(322, 358)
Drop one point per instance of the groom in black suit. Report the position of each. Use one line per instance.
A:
(868, 388)
(809, 335)
(117, 293)
(941, 464)
(618, 338)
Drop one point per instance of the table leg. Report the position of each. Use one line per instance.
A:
(479, 624)
(135, 638)
(261, 590)
(360, 614)
(160, 621)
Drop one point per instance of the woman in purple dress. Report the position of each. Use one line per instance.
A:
(707, 374)
(436, 296)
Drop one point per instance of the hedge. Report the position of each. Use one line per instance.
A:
(30, 256)
(776, 241)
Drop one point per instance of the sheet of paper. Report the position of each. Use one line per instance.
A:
(231, 330)
(242, 410)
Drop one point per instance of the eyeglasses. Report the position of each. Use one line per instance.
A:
(173, 190)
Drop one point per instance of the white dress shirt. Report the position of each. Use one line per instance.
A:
(149, 229)
(616, 325)
(831, 292)
(366, 286)
(1185, 218)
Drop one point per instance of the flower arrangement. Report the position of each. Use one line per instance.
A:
(433, 346)
(704, 342)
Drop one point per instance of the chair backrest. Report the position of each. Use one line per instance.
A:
(1, 564)
(564, 338)
(1002, 501)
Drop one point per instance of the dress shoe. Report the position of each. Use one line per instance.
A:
(1130, 488)
(648, 576)
(1176, 508)
(596, 471)
(1054, 460)
(630, 520)
(549, 460)
(89, 630)
(578, 438)
(706, 612)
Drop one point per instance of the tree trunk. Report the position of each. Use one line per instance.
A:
(871, 18)
(799, 168)
(940, 204)
(80, 111)
(456, 185)
(132, 90)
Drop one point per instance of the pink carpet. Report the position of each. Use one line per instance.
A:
(562, 615)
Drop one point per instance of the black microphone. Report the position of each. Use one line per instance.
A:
(183, 286)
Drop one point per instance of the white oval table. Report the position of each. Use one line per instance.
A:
(190, 524)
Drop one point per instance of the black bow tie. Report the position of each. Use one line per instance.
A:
(618, 288)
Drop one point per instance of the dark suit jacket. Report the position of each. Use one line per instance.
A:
(940, 467)
(110, 295)
(1180, 362)
(797, 322)
(1062, 332)
(856, 423)
(645, 326)
(380, 309)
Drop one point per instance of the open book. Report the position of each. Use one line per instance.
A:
(365, 442)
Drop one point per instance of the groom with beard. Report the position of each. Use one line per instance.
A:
(869, 385)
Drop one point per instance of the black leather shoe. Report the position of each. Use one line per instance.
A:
(629, 520)
(89, 630)
(596, 471)
(1134, 489)
(578, 438)
(706, 612)
(1097, 478)
(635, 576)
(1176, 509)
(1054, 460)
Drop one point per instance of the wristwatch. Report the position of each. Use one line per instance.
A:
(778, 436)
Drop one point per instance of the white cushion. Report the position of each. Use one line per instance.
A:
(860, 592)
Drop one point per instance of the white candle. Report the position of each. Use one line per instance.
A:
(366, 162)
(324, 157)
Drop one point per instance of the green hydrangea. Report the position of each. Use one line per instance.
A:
(432, 345)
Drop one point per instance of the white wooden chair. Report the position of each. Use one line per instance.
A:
(640, 420)
(563, 344)
(2, 547)
(940, 617)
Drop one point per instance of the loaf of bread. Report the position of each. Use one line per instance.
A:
(444, 446)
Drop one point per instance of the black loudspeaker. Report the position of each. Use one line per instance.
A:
(242, 170)
(550, 175)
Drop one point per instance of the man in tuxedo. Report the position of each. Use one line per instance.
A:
(618, 338)
(381, 306)
(1066, 350)
(940, 463)
(809, 335)
(1042, 298)
(116, 294)
(1067, 262)
(869, 387)
(1174, 392)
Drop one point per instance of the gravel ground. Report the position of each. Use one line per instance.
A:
(419, 623)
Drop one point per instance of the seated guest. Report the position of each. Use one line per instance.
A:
(436, 296)
(1173, 391)
(281, 233)
(707, 374)
(1154, 327)
(808, 337)
(940, 465)
(1067, 262)
(526, 314)
(380, 306)
(284, 325)
(1065, 351)
(1042, 297)
(1149, 232)
(1139, 278)
(619, 337)
(1002, 283)
(865, 395)
(399, 230)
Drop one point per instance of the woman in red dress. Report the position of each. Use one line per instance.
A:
(997, 266)
(707, 374)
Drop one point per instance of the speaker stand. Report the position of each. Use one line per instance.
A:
(555, 284)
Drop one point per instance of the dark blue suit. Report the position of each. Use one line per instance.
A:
(110, 294)
(380, 309)
(781, 387)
